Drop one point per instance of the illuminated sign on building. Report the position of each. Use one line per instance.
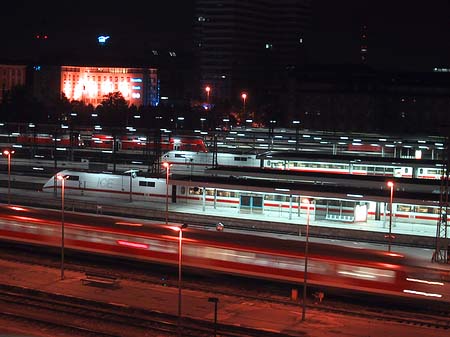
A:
(102, 39)
(91, 84)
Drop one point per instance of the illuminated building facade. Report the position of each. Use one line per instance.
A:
(10, 77)
(139, 86)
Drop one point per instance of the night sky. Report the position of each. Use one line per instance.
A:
(402, 34)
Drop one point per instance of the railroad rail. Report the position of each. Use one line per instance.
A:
(59, 311)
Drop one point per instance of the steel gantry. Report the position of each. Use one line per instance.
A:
(441, 253)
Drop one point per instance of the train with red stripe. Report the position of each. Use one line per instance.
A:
(188, 161)
(262, 257)
(49, 140)
(141, 143)
(139, 186)
(103, 141)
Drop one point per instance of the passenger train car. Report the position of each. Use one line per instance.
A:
(130, 142)
(136, 142)
(281, 260)
(44, 139)
(187, 161)
(119, 186)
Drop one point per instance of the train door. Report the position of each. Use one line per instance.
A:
(251, 203)
(173, 195)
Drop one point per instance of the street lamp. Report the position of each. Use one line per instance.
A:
(167, 166)
(8, 153)
(390, 184)
(180, 253)
(305, 272)
(63, 179)
(244, 98)
(207, 89)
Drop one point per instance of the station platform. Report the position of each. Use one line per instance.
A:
(231, 310)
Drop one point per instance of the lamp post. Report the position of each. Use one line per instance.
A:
(202, 121)
(167, 166)
(244, 98)
(8, 153)
(305, 272)
(63, 179)
(297, 124)
(132, 175)
(180, 254)
(214, 300)
(390, 184)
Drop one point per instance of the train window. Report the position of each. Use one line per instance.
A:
(240, 158)
(147, 183)
(276, 197)
(334, 203)
(195, 190)
(425, 209)
(227, 194)
(404, 208)
(73, 178)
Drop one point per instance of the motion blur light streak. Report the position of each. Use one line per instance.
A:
(395, 254)
(132, 244)
(421, 293)
(357, 274)
(425, 281)
(26, 218)
(18, 208)
(129, 224)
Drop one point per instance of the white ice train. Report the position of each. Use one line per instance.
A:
(108, 185)
(198, 162)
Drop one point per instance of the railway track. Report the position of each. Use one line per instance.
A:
(91, 318)
(391, 310)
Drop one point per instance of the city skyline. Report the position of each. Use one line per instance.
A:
(401, 35)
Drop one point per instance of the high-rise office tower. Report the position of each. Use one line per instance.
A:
(242, 44)
(364, 50)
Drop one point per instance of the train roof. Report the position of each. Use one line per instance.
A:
(356, 159)
(325, 188)
(136, 172)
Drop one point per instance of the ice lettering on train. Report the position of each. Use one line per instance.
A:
(105, 183)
